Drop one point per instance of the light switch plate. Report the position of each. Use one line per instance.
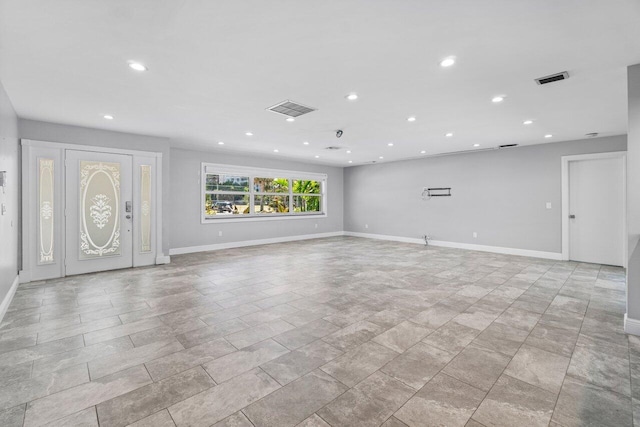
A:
(548, 205)
(3, 209)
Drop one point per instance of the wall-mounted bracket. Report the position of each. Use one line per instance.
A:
(428, 193)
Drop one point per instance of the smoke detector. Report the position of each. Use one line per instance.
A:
(291, 109)
(552, 78)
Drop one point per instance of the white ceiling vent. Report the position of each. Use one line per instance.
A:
(333, 147)
(291, 109)
(552, 78)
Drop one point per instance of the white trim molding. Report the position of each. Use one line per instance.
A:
(6, 302)
(565, 196)
(163, 259)
(631, 326)
(244, 243)
(468, 246)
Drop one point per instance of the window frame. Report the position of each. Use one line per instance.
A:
(251, 172)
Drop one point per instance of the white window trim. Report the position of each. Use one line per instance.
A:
(252, 172)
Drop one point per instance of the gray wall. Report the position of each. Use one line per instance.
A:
(9, 222)
(43, 131)
(186, 194)
(500, 194)
(633, 194)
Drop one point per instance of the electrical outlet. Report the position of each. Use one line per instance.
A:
(219, 233)
(3, 209)
(548, 205)
(475, 235)
(366, 226)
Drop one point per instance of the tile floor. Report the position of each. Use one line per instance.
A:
(330, 332)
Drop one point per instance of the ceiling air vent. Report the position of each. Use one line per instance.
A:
(553, 78)
(290, 109)
(591, 135)
(333, 147)
(507, 145)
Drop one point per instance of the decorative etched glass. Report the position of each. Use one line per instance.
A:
(45, 204)
(99, 209)
(145, 208)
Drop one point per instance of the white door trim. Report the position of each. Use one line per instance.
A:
(78, 147)
(565, 196)
(28, 204)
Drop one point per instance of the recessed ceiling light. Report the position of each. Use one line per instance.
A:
(476, 145)
(448, 62)
(350, 161)
(390, 144)
(275, 151)
(137, 66)
(291, 119)
(548, 135)
(317, 157)
(411, 119)
(497, 99)
(348, 151)
(449, 135)
(220, 143)
(306, 143)
(423, 152)
(381, 157)
(249, 133)
(527, 122)
(352, 96)
(108, 117)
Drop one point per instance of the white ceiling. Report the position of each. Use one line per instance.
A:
(214, 66)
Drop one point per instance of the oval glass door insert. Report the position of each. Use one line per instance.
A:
(99, 209)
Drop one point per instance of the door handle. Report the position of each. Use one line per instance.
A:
(572, 217)
(127, 207)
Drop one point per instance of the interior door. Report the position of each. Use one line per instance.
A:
(596, 203)
(98, 193)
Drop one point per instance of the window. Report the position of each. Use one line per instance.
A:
(239, 192)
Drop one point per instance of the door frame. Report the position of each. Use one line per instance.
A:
(565, 196)
(29, 205)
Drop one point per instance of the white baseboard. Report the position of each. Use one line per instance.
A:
(4, 306)
(244, 243)
(24, 276)
(163, 259)
(631, 326)
(468, 246)
(385, 237)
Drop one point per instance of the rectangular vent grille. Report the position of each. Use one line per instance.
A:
(291, 109)
(553, 78)
(507, 145)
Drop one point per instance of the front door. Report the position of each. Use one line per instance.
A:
(596, 218)
(98, 193)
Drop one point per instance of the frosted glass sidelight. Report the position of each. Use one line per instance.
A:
(99, 209)
(145, 208)
(45, 209)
